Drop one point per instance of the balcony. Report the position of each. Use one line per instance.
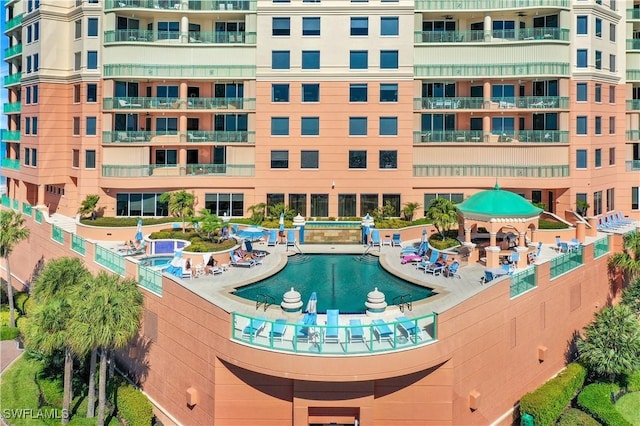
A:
(12, 23)
(12, 80)
(633, 75)
(177, 103)
(633, 104)
(176, 5)
(127, 136)
(179, 71)
(12, 51)
(162, 170)
(633, 135)
(221, 103)
(523, 102)
(632, 165)
(483, 71)
(633, 14)
(487, 170)
(633, 44)
(454, 5)
(495, 36)
(12, 108)
(204, 136)
(474, 136)
(147, 36)
(10, 163)
(11, 135)
(439, 136)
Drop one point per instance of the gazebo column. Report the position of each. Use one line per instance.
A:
(467, 235)
(493, 257)
(522, 240)
(492, 239)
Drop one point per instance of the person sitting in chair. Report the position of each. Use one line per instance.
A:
(211, 263)
(187, 267)
(243, 255)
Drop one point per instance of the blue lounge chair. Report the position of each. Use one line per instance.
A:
(396, 241)
(382, 330)
(253, 328)
(375, 238)
(452, 270)
(432, 259)
(410, 326)
(331, 333)
(291, 238)
(244, 263)
(623, 219)
(273, 238)
(356, 332)
(249, 246)
(488, 276)
(302, 332)
(278, 329)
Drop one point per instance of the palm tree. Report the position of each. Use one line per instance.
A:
(443, 214)
(257, 212)
(56, 286)
(410, 209)
(631, 296)
(88, 206)
(12, 232)
(629, 260)
(180, 204)
(111, 319)
(208, 224)
(611, 345)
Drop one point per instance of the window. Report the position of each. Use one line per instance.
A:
(92, 27)
(612, 32)
(389, 59)
(78, 29)
(298, 203)
(582, 24)
(612, 156)
(273, 199)
(92, 92)
(388, 160)
(388, 92)
(34, 125)
(92, 60)
(280, 60)
(598, 60)
(346, 205)
(27, 156)
(612, 125)
(598, 157)
(581, 159)
(167, 125)
(279, 93)
(581, 125)
(75, 158)
(368, 203)
(581, 92)
(76, 93)
(311, 92)
(454, 197)
(28, 64)
(359, 26)
(279, 126)
(357, 159)
(29, 34)
(137, 204)
(597, 203)
(310, 59)
(309, 159)
(357, 126)
(319, 205)
(279, 159)
(27, 125)
(91, 126)
(388, 126)
(76, 126)
(28, 97)
(36, 62)
(612, 94)
(612, 63)
(598, 27)
(35, 94)
(610, 199)
(582, 58)
(635, 198)
(394, 201)
(169, 30)
(281, 26)
(310, 26)
(310, 126)
(598, 125)
(225, 204)
(598, 94)
(358, 60)
(166, 157)
(358, 92)
(389, 26)
(90, 159)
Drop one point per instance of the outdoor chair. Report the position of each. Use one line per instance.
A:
(410, 327)
(332, 332)
(253, 328)
(273, 238)
(278, 328)
(356, 332)
(382, 330)
(395, 240)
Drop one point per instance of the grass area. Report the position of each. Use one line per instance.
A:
(21, 387)
(551, 224)
(573, 417)
(628, 407)
(6, 332)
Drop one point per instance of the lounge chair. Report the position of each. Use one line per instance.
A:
(244, 263)
(375, 238)
(356, 332)
(488, 276)
(382, 330)
(396, 241)
(213, 270)
(258, 253)
(452, 270)
(432, 260)
(531, 257)
(273, 238)
(410, 326)
(331, 333)
(253, 328)
(278, 328)
(126, 104)
(623, 219)
(302, 332)
(291, 238)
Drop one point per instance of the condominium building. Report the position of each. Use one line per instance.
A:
(333, 107)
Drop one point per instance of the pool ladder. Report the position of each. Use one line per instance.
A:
(403, 301)
(265, 300)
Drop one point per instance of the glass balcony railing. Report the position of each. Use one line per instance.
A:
(523, 102)
(11, 163)
(495, 36)
(127, 136)
(566, 262)
(541, 136)
(490, 170)
(147, 36)
(633, 135)
(493, 70)
(633, 14)
(633, 104)
(12, 51)
(173, 5)
(162, 170)
(523, 281)
(12, 80)
(11, 135)
(221, 103)
(448, 136)
(12, 108)
(129, 103)
(222, 37)
(335, 340)
(465, 136)
(453, 5)
(633, 44)
(632, 165)
(179, 71)
(220, 136)
(13, 23)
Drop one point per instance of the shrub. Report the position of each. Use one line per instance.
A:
(573, 417)
(437, 243)
(8, 333)
(551, 224)
(595, 399)
(117, 222)
(546, 403)
(633, 381)
(22, 302)
(133, 407)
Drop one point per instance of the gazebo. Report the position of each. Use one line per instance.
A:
(498, 211)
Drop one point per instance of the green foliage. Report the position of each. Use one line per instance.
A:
(631, 296)
(628, 405)
(197, 244)
(8, 333)
(546, 403)
(384, 212)
(575, 417)
(23, 302)
(443, 214)
(409, 210)
(209, 225)
(551, 224)
(89, 204)
(121, 222)
(439, 244)
(276, 209)
(180, 204)
(595, 399)
(629, 260)
(133, 407)
(258, 212)
(632, 381)
(582, 207)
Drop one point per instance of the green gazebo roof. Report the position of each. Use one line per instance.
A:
(498, 203)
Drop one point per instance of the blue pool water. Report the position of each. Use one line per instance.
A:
(341, 282)
(157, 261)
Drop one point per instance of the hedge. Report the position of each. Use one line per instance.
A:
(573, 417)
(633, 381)
(134, 407)
(547, 402)
(8, 333)
(595, 399)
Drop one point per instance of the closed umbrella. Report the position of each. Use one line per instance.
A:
(139, 236)
(281, 226)
(312, 309)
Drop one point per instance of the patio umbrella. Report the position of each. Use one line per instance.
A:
(424, 235)
(281, 222)
(139, 236)
(312, 308)
(252, 233)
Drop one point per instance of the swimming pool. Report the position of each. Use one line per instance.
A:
(341, 282)
(156, 261)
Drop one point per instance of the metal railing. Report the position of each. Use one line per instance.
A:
(11, 163)
(221, 103)
(179, 71)
(632, 165)
(526, 102)
(220, 170)
(134, 136)
(12, 107)
(489, 170)
(109, 260)
(13, 79)
(492, 70)
(150, 279)
(178, 5)
(601, 247)
(464, 136)
(26, 208)
(566, 262)
(453, 5)
(221, 136)
(222, 37)
(523, 281)
(493, 36)
(39, 216)
(205, 37)
(11, 135)
(78, 244)
(57, 234)
(13, 51)
(13, 22)
(334, 339)
(154, 170)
